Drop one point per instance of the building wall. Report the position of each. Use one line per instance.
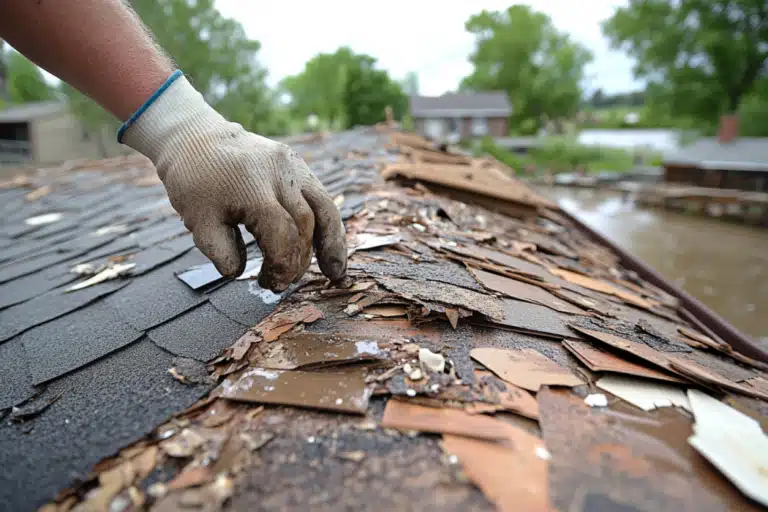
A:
(754, 181)
(497, 126)
(62, 137)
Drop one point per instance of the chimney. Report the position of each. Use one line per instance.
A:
(729, 129)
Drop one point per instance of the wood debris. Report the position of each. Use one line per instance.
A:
(472, 308)
(525, 368)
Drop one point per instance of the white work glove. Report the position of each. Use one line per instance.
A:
(219, 175)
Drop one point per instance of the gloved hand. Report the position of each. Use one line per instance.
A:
(219, 175)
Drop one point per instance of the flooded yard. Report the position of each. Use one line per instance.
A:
(722, 264)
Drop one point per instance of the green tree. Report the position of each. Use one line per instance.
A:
(215, 54)
(368, 91)
(3, 74)
(344, 89)
(319, 88)
(521, 52)
(26, 83)
(701, 58)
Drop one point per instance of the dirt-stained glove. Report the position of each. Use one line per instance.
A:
(219, 175)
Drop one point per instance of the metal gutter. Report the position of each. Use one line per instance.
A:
(700, 313)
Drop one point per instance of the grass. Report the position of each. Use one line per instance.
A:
(561, 154)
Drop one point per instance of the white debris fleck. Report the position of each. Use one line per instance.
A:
(111, 272)
(84, 269)
(434, 388)
(543, 453)
(410, 392)
(108, 230)
(339, 401)
(407, 368)
(644, 393)
(311, 439)
(418, 227)
(46, 218)
(435, 362)
(157, 490)
(453, 459)
(367, 347)
(416, 374)
(596, 400)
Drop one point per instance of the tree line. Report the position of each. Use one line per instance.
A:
(700, 59)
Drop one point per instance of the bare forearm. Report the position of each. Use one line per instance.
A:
(98, 46)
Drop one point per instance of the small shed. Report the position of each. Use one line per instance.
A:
(725, 161)
(461, 116)
(44, 133)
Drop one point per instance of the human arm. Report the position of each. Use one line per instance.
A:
(217, 174)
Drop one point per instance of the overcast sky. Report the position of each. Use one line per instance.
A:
(425, 36)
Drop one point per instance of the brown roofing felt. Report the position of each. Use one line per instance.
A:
(482, 353)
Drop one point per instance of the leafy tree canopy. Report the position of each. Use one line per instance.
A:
(701, 58)
(519, 51)
(215, 54)
(25, 81)
(344, 89)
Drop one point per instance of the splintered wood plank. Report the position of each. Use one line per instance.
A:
(525, 368)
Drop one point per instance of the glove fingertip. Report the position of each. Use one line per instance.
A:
(224, 246)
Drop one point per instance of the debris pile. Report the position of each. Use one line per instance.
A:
(474, 310)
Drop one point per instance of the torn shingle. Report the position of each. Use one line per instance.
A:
(201, 333)
(96, 330)
(245, 302)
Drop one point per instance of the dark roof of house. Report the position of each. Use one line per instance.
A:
(455, 269)
(31, 111)
(741, 154)
(479, 104)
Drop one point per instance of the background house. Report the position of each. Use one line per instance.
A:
(455, 116)
(47, 133)
(725, 161)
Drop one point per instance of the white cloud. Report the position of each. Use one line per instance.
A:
(426, 36)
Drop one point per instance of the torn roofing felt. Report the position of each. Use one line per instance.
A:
(463, 284)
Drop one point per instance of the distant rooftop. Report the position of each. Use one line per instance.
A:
(481, 104)
(742, 154)
(30, 111)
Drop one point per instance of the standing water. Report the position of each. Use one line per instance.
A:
(722, 264)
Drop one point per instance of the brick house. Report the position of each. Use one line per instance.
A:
(461, 116)
(725, 161)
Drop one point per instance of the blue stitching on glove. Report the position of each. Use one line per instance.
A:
(176, 74)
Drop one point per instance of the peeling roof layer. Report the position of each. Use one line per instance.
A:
(473, 310)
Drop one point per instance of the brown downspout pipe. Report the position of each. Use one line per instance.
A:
(708, 318)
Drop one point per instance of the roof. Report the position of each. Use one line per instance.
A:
(478, 104)
(478, 315)
(741, 154)
(31, 111)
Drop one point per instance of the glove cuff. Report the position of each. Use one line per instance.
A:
(171, 115)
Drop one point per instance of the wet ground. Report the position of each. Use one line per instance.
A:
(724, 265)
